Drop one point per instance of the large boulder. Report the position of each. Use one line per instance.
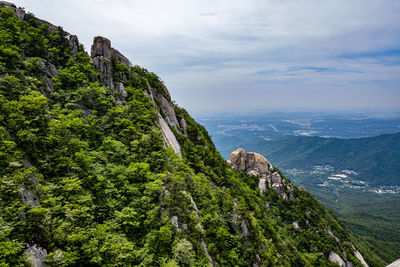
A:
(257, 165)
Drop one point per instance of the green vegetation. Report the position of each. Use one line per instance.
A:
(87, 177)
(373, 218)
(375, 159)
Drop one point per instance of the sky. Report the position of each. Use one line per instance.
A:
(250, 55)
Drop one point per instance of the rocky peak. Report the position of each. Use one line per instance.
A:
(101, 47)
(250, 162)
(19, 12)
(101, 54)
(257, 165)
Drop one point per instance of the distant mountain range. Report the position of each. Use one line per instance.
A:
(374, 159)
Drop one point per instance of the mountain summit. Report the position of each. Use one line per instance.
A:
(98, 167)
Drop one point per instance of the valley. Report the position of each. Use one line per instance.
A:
(355, 174)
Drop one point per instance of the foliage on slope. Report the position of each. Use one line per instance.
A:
(89, 180)
(373, 158)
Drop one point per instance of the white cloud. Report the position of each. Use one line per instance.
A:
(231, 53)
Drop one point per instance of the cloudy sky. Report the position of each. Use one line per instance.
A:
(250, 55)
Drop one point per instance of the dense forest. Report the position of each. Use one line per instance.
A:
(87, 177)
(373, 158)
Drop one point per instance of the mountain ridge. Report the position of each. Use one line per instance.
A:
(359, 154)
(100, 168)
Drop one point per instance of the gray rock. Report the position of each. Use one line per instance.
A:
(51, 28)
(74, 43)
(359, 256)
(205, 249)
(394, 264)
(101, 47)
(51, 70)
(183, 125)
(331, 235)
(28, 198)
(36, 255)
(334, 257)
(122, 91)
(175, 222)
(168, 136)
(245, 230)
(19, 12)
(257, 165)
(296, 225)
(101, 54)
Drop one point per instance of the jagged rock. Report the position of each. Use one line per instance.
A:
(183, 125)
(334, 257)
(19, 12)
(51, 28)
(359, 256)
(168, 111)
(245, 230)
(74, 43)
(168, 116)
(101, 54)
(205, 249)
(36, 255)
(175, 222)
(257, 165)
(199, 227)
(28, 198)
(258, 261)
(121, 89)
(50, 69)
(101, 47)
(238, 221)
(331, 234)
(296, 225)
(169, 137)
(394, 264)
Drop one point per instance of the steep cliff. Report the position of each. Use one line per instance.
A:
(99, 168)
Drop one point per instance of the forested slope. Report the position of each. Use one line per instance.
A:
(375, 159)
(99, 168)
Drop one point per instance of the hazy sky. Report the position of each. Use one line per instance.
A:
(250, 54)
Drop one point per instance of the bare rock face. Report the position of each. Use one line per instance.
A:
(101, 54)
(169, 137)
(394, 264)
(36, 255)
(28, 198)
(19, 12)
(334, 257)
(74, 43)
(257, 165)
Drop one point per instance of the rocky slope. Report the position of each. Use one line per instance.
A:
(99, 168)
